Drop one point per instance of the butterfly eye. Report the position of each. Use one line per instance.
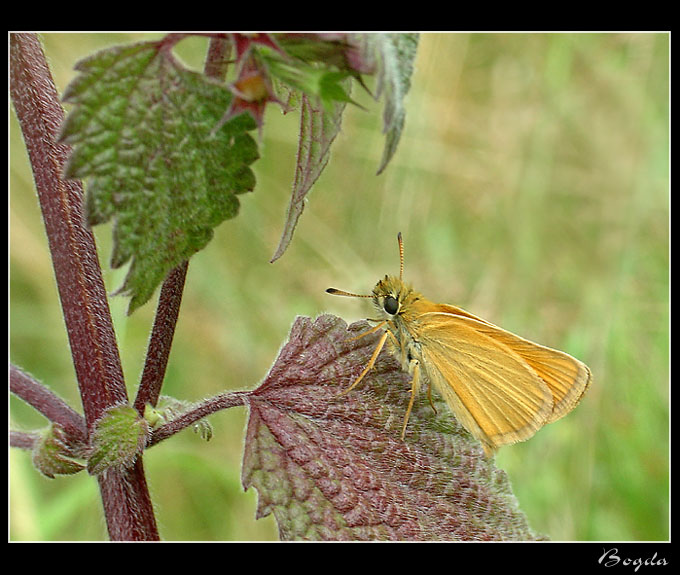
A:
(391, 305)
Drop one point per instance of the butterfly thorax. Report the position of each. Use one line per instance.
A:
(396, 302)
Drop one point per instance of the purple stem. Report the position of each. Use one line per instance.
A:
(125, 497)
(22, 439)
(71, 243)
(161, 338)
(217, 61)
(209, 406)
(48, 403)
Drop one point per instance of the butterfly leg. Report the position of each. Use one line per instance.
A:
(368, 367)
(368, 332)
(414, 368)
(429, 397)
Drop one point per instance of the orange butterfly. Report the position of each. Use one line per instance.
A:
(501, 388)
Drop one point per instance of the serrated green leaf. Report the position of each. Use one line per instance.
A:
(119, 437)
(144, 139)
(396, 55)
(318, 129)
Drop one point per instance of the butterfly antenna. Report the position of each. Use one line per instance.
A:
(334, 291)
(401, 257)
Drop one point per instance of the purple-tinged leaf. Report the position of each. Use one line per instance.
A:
(334, 468)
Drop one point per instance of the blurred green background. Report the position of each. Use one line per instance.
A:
(532, 188)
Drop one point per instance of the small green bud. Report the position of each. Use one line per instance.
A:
(119, 438)
(53, 456)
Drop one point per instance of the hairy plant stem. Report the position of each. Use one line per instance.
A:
(217, 60)
(205, 408)
(23, 439)
(125, 497)
(160, 341)
(48, 403)
(72, 246)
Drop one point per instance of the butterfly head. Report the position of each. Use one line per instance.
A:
(389, 295)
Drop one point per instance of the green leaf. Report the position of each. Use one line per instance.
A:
(325, 92)
(144, 137)
(318, 129)
(329, 49)
(396, 53)
(335, 468)
(329, 85)
(119, 437)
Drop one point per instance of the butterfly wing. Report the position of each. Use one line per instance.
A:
(566, 377)
(501, 387)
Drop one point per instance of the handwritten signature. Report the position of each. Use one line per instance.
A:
(611, 558)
